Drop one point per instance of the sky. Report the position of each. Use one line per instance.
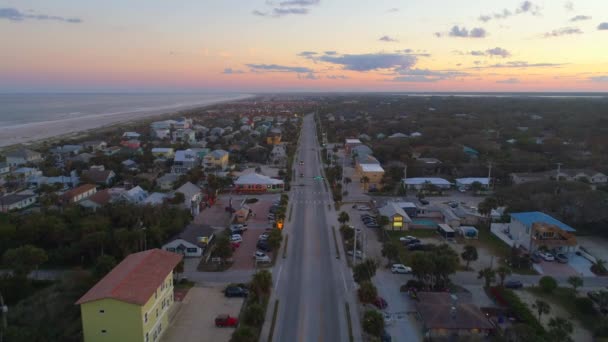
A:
(303, 45)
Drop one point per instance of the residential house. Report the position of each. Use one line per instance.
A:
(428, 165)
(274, 136)
(167, 181)
(526, 177)
(94, 145)
(79, 193)
(192, 242)
(184, 161)
(110, 151)
(130, 135)
(100, 177)
(398, 219)
(66, 150)
(97, 200)
(217, 159)
(155, 198)
(83, 158)
(256, 183)
(165, 124)
(183, 123)
(419, 183)
(132, 144)
(163, 152)
(4, 168)
(22, 156)
(467, 183)
(360, 151)
(184, 135)
(26, 172)
(398, 136)
(589, 176)
(134, 195)
(66, 181)
(373, 173)
(133, 301)
(349, 144)
(193, 196)
(278, 155)
(532, 230)
(161, 133)
(130, 165)
(217, 131)
(17, 201)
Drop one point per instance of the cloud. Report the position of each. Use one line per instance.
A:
(463, 32)
(426, 75)
(309, 76)
(569, 6)
(509, 81)
(387, 39)
(230, 71)
(564, 31)
(307, 54)
(287, 7)
(371, 61)
(601, 79)
(603, 26)
(299, 2)
(14, 15)
(524, 7)
(580, 18)
(259, 13)
(278, 68)
(279, 12)
(392, 10)
(522, 64)
(337, 77)
(331, 53)
(500, 52)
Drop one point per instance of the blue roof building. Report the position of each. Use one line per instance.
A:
(528, 218)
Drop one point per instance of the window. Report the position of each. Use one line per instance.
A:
(103, 331)
(146, 317)
(102, 311)
(147, 337)
(156, 312)
(171, 249)
(191, 250)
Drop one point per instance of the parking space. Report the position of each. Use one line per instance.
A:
(215, 216)
(192, 323)
(554, 268)
(597, 246)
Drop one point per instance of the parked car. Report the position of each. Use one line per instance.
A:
(358, 254)
(514, 284)
(366, 215)
(546, 256)
(235, 291)
(238, 226)
(423, 201)
(535, 258)
(561, 258)
(226, 321)
(236, 238)
(235, 245)
(453, 204)
(413, 241)
(263, 246)
(263, 237)
(361, 207)
(261, 257)
(417, 247)
(400, 268)
(407, 238)
(373, 225)
(380, 303)
(301, 162)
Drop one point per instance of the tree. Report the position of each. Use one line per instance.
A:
(541, 307)
(244, 334)
(476, 186)
(347, 232)
(275, 238)
(367, 292)
(547, 284)
(178, 198)
(103, 265)
(24, 259)
(364, 271)
(486, 206)
(222, 248)
(373, 322)
(390, 250)
(503, 272)
(261, 283)
(575, 282)
(383, 221)
(254, 314)
(560, 330)
(469, 254)
(343, 217)
(488, 275)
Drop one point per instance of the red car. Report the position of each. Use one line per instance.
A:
(226, 321)
(235, 245)
(380, 303)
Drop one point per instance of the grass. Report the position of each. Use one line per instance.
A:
(333, 231)
(274, 319)
(349, 321)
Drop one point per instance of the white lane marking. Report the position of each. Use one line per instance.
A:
(343, 280)
(276, 286)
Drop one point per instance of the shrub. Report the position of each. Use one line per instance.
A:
(412, 284)
(367, 292)
(547, 284)
(520, 309)
(254, 314)
(584, 305)
(373, 322)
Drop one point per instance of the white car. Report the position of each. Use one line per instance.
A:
(236, 238)
(358, 254)
(407, 238)
(546, 256)
(400, 268)
(261, 257)
(264, 237)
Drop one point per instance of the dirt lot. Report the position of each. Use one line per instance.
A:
(194, 321)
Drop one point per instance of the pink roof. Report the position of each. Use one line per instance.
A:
(135, 279)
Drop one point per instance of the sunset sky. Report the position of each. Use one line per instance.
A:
(303, 45)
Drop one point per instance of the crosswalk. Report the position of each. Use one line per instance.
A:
(304, 192)
(312, 202)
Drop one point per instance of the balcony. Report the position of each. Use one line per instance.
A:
(551, 236)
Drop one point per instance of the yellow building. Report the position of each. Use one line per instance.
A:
(217, 158)
(374, 174)
(132, 302)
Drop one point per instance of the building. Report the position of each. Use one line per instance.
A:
(532, 230)
(278, 155)
(193, 197)
(134, 195)
(256, 183)
(133, 301)
(397, 217)
(361, 151)
(167, 181)
(22, 156)
(163, 152)
(97, 200)
(184, 161)
(572, 175)
(79, 193)
(192, 242)
(67, 150)
(161, 133)
(374, 174)
(4, 168)
(130, 135)
(274, 136)
(100, 177)
(94, 145)
(16, 201)
(467, 183)
(184, 135)
(349, 144)
(419, 183)
(216, 159)
(410, 208)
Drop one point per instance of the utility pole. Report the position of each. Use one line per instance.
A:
(355, 248)
(404, 176)
(559, 168)
(490, 175)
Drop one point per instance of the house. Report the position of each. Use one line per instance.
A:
(4, 168)
(155, 198)
(192, 242)
(166, 182)
(161, 133)
(134, 195)
(182, 123)
(83, 158)
(22, 156)
(349, 144)
(163, 152)
(130, 135)
(110, 151)
(165, 124)
(398, 136)
(184, 160)
(216, 159)
(589, 176)
(471, 152)
(67, 149)
(467, 183)
(132, 144)
(419, 183)
(129, 164)
(410, 208)
(274, 136)
(16, 201)
(133, 301)
(69, 181)
(94, 145)
(100, 177)
(26, 172)
(278, 155)
(532, 230)
(526, 177)
(444, 315)
(193, 197)
(184, 135)
(361, 151)
(398, 219)
(415, 135)
(373, 172)
(97, 200)
(256, 183)
(79, 193)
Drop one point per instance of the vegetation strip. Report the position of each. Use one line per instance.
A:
(274, 319)
(333, 231)
(290, 211)
(351, 338)
(285, 249)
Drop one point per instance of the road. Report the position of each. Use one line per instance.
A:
(311, 284)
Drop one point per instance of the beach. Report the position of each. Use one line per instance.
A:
(41, 130)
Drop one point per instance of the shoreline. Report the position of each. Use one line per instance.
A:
(48, 131)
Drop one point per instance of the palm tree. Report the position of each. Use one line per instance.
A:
(503, 272)
(541, 307)
(488, 274)
(560, 329)
(469, 254)
(575, 282)
(343, 217)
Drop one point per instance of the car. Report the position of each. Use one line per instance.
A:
(235, 245)
(385, 336)
(417, 246)
(372, 225)
(226, 321)
(261, 257)
(263, 237)
(412, 242)
(423, 201)
(514, 284)
(594, 296)
(361, 207)
(463, 190)
(301, 162)
(453, 204)
(535, 258)
(358, 254)
(301, 174)
(263, 246)
(561, 258)
(237, 230)
(236, 238)
(380, 303)
(546, 256)
(369, 219)
(407, 238)
(366, 215)
(235, 291)
(400, 268)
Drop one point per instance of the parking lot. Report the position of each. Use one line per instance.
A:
(194, 321)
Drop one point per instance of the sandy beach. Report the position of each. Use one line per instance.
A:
(26, 133)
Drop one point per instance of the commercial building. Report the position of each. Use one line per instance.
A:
(132, 302)
(419, 183)
(349, 144)
(256, 183)
(374, 174)
(533, 230)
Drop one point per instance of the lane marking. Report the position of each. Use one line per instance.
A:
(343, 280)
(276, 286)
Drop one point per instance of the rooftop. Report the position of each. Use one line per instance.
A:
(255, 178)
(135, 279)
(371, 168)
(431, 180)
(528, 218)
(439, 310)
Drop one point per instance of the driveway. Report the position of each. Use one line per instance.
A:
(595, 245)
(194, 320)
